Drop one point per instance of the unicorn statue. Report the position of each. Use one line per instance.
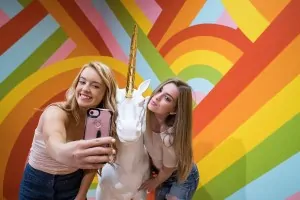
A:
(122, 179)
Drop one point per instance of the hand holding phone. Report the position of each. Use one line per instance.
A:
(98, 123)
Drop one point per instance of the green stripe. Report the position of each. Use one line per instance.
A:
(33, 62)
(24, 3)
(149, 52)
(201, 71)
(280, 146)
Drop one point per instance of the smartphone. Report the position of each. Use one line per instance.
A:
(98, 123)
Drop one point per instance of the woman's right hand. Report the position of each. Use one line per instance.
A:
(91, 154)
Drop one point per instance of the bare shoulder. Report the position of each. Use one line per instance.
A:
(55, 113)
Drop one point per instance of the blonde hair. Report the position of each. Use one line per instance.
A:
(181, 124)
(109, 98)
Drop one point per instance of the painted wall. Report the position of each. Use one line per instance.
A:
(241, 58)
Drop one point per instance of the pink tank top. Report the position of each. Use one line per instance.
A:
(41, 160)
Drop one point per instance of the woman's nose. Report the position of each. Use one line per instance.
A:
(86, 87)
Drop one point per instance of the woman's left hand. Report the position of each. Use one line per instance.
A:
(150, 185)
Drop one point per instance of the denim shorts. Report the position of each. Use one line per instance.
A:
(183, 191)
(39, 185)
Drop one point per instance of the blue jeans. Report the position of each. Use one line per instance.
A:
(183, 191)
(39, 185)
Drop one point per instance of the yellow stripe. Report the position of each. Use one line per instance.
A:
(210, 58)
(260, 126)
(247, 17)
(138, 16)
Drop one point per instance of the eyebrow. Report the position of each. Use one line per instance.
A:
(81, 77)
(170, 96)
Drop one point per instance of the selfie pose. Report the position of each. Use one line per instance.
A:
(58, 152)
(168, 140)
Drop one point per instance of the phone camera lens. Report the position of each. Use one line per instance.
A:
(91, 112)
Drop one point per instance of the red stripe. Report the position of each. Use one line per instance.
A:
(274, 39)
(235, 37)
(25, 20)
(167, 15)
(86, 26)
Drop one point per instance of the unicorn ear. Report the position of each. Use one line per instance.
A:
(143, 86)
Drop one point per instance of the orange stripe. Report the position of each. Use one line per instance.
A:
(186, 15)
(69, 26)
(262, 89)
(269, 8)
(214, 44)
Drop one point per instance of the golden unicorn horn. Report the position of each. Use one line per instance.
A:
(131, 65)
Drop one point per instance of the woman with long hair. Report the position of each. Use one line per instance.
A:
(168, 140)
(58, 154)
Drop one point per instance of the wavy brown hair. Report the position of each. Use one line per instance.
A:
(109, 98)
(181, 124)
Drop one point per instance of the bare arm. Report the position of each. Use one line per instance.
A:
(85, 184)
(84, 154)
(164, 174)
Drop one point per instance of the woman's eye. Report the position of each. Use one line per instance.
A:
(96, 86)
(167, 98)
(82, 82)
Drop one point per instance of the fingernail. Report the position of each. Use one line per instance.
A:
(113, 140)
(114, 151)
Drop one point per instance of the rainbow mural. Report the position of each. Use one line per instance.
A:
(239, 56)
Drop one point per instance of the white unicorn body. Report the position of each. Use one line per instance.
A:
(131, 167)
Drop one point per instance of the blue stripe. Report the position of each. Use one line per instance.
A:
(10, 7)
(200, 84)
(277, 184)
(142, 66)
(24, 47)
(210, 12)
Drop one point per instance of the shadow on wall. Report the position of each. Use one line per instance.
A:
(234, 175)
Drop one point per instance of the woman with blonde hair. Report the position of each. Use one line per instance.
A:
(169, 141)
(58, 154)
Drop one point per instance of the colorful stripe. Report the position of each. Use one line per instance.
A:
(61, 53)
(33, 62)
(70, 27)
(182, 20)
(15, 55)
(100, 25)
(277, 184)
(137, 15)
(123, 38)
(269, 8)
(258, 89)
(263, 123)
(210, 13)
(246, 68)
(226, 20)
(11, 8)
(217, 61)
(241, 11)
(3, 19)
(252, 165)
(150, 9)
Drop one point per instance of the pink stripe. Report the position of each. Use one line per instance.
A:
(61, 53)
(294, 196)
(98, 22)
(150, 8)
(226, 20)
(3, 18)
(198, 96)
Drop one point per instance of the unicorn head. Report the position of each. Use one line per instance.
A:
(131, 113)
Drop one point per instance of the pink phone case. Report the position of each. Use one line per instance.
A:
(98, 123)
